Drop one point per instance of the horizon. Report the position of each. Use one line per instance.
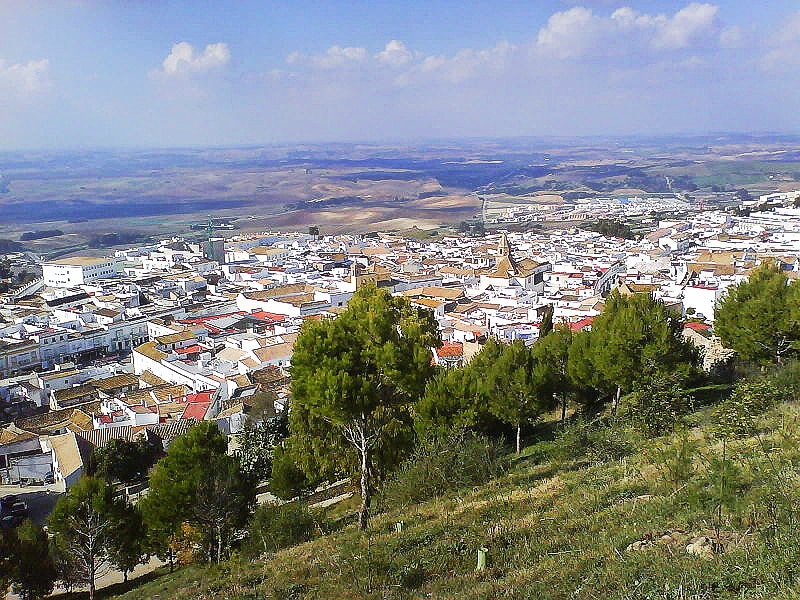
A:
(89, 74)
(566, 140)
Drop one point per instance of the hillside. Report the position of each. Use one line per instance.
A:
(597, 512)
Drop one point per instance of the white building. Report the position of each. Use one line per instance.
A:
(78, 270)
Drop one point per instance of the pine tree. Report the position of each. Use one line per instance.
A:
(636, 336)
(514, 387)
(760, 317)
(34, 573)
(174, 483)
(359, 374)
(83, 525)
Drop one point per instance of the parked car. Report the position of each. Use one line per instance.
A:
(10, 522)
(19, 509)
(6, 502)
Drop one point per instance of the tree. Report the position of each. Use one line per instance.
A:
(122, 460)
(83, 523)
(175, 481)
(360, 372)
(451, 399)
(636, 336)
(34, 573)
(514, 387)
(128, 542)
(583, 377)
(552, 353)
(257, 444)
(222, 505)
(760, 317)
(288, 480)
(547, 321)
(454, 399)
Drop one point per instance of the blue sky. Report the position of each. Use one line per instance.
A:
(84, 73)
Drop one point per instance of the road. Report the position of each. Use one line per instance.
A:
(40, 500)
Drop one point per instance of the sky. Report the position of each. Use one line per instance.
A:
(135, 73)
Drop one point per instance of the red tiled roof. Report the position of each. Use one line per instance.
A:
(450, 350)
(195, 410)
(199, 397)
(582, 324)
(190, 349)
(694, 326)
(268, 316)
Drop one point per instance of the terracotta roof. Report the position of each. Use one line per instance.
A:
(276, 292)
(71, 393)
(149, 350)
(694, 326)
(150, 379)
(115, 381)
(98, 438)
(57, 419)
(195, 410)
(450, 350)
(172, 338)
(7, 436)
(427, 302)
(581, 324)
(67, 453)
(275, 351)
(231, 410)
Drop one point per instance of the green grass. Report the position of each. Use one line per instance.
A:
(559, 529)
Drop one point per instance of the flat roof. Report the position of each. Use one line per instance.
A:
(79, 261)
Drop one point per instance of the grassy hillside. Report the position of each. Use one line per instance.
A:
(598, 512)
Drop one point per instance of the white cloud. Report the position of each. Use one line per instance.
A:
(579, 31)
(395, 54)
(333, 57)
(688, 23)
(570, 33)
(183, 59)
(23, 80)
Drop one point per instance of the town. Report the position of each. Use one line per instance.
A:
(151, 340)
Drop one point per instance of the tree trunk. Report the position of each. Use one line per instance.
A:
(563, 408)
(125, 576)
(91, 578)
(519, 438)
(363, 513)
(219, 544)
(615, 405)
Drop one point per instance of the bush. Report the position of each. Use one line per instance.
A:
(736, 416)
(287, 480)
(443, 463)
(276, 526)
(596, 441)
(656, 404)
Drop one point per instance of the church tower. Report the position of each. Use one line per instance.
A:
(504, 248)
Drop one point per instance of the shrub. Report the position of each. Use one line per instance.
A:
(736, 416)
(597, 441)
(656, 404)
(276, 526)
(674, 460)
(287, 480)
(443, 463)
